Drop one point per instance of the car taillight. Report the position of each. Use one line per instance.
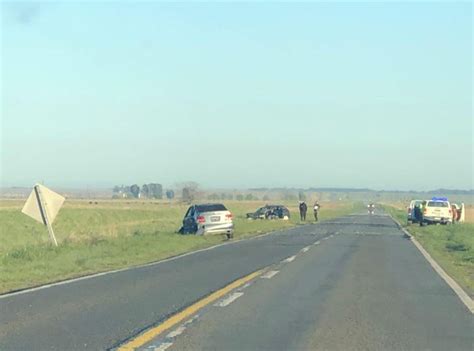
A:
(201, 219)
(450, 211)
(228, 215)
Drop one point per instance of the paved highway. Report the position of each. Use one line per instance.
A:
(355, 283)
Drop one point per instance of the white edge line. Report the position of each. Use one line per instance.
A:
(95, 275)
(463, 296)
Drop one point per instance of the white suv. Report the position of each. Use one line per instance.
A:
(438, 211)
(208, 219)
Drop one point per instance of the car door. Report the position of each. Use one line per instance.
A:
(188, 221)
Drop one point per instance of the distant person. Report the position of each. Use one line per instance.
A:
(417, 211)
(303, 210)
(316, 208)
(455, 213)
(422, 210)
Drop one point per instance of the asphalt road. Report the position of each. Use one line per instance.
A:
(363, 287)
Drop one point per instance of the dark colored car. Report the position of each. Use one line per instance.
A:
(206, 219)
(270, 212)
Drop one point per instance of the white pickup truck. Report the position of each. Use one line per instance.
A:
(438, 211)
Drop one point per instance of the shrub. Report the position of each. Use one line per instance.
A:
(21, 254)
(456, 246)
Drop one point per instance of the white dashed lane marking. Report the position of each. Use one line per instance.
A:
(163, 346)
(289, 259)
(245, 286)
(176, 332)
(317, 242)
(304, 249)
(270, 274)
(227, 301)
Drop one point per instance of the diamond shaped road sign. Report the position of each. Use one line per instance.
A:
(43, 204)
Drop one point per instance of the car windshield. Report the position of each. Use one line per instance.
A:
(437, 204)
(210, 208)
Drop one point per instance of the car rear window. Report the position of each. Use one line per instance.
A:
(437, 204)
(211, 208)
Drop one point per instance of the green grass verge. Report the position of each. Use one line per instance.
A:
(452, 246)
(111, 235)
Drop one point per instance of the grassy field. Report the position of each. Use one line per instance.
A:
(451, 246)
(97, 236)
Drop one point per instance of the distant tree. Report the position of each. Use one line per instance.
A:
(188, 194)
(135, 190)
(190, 184)
(239, 197)
(169, 194)
(301, 196)
(116, 189)
(287, 196)
(145, 190)
(189, 190)
(249, 197)
(156, 190)
(230, 196)
(266, 198)
(213, 196)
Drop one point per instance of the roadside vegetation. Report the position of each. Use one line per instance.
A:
(452, 246)
(96, 236)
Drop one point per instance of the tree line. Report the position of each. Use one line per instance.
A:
(150, 191)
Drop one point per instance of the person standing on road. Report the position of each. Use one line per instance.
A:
(303, 210)
(316, 208)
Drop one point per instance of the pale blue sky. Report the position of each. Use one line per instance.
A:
(372, 95)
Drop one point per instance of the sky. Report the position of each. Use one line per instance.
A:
(236, 95)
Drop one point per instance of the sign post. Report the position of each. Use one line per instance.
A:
(43, 205)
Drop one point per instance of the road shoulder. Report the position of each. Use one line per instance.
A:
(463, 295)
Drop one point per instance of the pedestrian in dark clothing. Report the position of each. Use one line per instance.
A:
(417, 211)
(303, 210)
(422, 212)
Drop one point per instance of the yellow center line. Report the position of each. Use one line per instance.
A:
(150, 334)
